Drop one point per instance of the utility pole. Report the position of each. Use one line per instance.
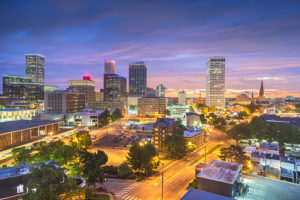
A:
(205, 153)
(162, 183)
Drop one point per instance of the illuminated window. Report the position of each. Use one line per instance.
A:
(20, 188)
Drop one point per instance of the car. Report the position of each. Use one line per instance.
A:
(94, 137)
(101, 189)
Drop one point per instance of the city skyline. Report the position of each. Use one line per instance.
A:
(260, 42)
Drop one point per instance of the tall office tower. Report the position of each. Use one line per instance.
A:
(215, 82)
(182, 97)
(137, 79)
(21, 88)
(35, 68)
(114, 87)
(109, 66)
(160, 90)
(86, 85)
(261, 96)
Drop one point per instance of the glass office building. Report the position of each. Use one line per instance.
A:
(35, 68)
(114, 87)
(215, 82)
(137, 79)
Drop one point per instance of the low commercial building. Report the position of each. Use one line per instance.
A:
(18, 132)
(108, 105)
(7, 114)
(87, 118)
(220, 177)
(194, 136)
(193, 194)
(162, 128)
(178, 111)
(64, 102)
(290, 169)
(152, 106)
(268, 148)
(14, 180)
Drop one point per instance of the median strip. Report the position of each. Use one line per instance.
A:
(207, 153)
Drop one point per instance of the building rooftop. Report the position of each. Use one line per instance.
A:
(193, 194)
(12, 109)
(293, 121)
(21, 169)
(258, 155)
(6, 127)
(163, 122)
(191, 113)
(221, 171)
(268, 146)
(288, 159)
(192, 131)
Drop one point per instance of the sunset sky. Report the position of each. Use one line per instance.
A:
(260, 40)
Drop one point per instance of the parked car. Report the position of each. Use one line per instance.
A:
(101, 189)
(94, 137)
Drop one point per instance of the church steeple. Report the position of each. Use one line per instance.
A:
(261, 90)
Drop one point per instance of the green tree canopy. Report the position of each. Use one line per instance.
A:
(104, 118)
(124, 170)
(81, 140)
(49, 182)
(22, 154)
(93, 166)
(143, 158)
(116, 115)
(234, 153)
(174, 146)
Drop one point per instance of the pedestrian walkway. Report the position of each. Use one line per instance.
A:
(123, 193)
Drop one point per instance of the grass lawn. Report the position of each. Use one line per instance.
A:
(99, 196)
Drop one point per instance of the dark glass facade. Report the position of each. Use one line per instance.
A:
(137, 79)
(114, 87)
(21, 88)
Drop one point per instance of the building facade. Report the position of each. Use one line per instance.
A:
(215, 82)
(109, 66)
(182, 97)
(22, 89)
(35, 68)
(86, 85)
(108, 105)
(152, 106)
(160, 90)
(194, 136)
(64, 102)
(114, 88)
(7, 115)
(17, 132)
(162, 128)
(137, 79)
(243, 99)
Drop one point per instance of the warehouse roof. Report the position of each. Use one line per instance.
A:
(221, 171)
(11, 126)
(193, 194)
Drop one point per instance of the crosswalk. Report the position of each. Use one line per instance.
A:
(123, 193)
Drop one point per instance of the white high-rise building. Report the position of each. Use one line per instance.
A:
(182, 97)
(109, 66)
(160, 90)
(215, 82)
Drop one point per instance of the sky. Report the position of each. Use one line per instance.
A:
(175, 38)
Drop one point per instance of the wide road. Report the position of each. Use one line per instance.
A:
(177, 176)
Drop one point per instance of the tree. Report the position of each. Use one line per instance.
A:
(239, 132)
(104, 118)
(297, 106)
(242, 115)
(234, 153)
(22, 154)
(117, 114)
(203, 119)
(179, 128)
(213, 109)
(81, 140)
(143, 157)
(49, 182)
(92, 166)
(192, 109)
(168, 112)
(205, 110)
(124, 170)
(251, 108)
(174, 146)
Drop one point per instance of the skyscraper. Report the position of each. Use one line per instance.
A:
(35, 68)
(86, 86)
(109, 66)
(137, 79)
(114, 87)
(182, 97)
(215, 82)
(160, 90)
